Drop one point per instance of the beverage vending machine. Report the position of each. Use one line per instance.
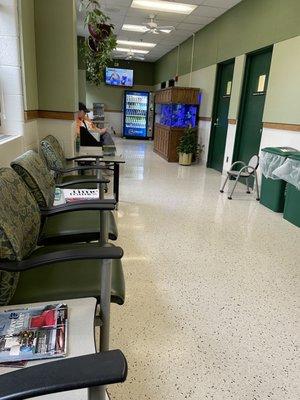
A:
(136, 114)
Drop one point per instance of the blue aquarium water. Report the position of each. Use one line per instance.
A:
(177, 115)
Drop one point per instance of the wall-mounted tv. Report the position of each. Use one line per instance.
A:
(119, 77)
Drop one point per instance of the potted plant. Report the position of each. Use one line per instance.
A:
(98, 47)
(188, 146)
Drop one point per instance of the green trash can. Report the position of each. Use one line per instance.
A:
(292, 199)
(272, 192)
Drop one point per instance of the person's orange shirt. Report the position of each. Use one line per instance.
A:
(79, 123)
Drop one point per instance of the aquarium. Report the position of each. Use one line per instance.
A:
(176, 115)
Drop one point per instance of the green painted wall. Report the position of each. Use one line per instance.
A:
(166, 67)
(56, 53)
(143, 72)
(185, 56)
(112, 97)
(248, 26)
(283, 99)
(28, 51)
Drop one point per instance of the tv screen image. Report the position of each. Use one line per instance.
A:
(119, 77)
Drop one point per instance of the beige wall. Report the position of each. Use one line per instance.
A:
(56, 51)
(283, 95)
(28, 53)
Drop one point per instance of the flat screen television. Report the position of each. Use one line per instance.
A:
(119, 77)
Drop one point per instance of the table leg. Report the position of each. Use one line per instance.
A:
(116, 181)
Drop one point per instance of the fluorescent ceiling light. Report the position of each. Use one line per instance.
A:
(167, 6)
(138, 51)
(136, 44)
(139, 28)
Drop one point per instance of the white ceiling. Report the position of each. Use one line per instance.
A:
(121, 13)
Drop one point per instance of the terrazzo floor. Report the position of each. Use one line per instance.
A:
(211, 287)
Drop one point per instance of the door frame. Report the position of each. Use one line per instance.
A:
(214, 110)
(241, 111)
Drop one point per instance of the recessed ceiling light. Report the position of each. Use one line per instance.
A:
(138, 51)
(139, 28)
(136, 44)
(167, 6)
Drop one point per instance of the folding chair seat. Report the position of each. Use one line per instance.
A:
(246, 171)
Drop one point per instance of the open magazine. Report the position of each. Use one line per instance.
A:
(33, 333)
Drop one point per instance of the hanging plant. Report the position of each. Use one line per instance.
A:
(98, 47)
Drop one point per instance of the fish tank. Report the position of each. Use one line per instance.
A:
(176, 115)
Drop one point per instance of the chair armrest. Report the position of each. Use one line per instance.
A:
(98, 205)
(86, 156)
(236, 163)
(82, 251)
(69, 374)
(79, 181)
(246, 167)
(81, 168)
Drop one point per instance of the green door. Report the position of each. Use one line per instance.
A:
(220, 116)
(249, 128)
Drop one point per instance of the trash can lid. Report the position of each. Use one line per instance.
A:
(295, 156)
(281, 151)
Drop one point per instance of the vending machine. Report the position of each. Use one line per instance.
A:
(135, 116)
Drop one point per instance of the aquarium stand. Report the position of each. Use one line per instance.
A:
(176, 108)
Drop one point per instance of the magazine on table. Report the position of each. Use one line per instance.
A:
(33, 333)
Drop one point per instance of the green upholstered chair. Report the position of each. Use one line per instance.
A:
(62, 167)
(29, 273)
(68, 227)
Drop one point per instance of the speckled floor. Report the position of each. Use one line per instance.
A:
(211, 287)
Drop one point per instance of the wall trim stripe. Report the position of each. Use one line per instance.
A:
(34, 114)
(204, 118)
(280, 126)
(232, 121)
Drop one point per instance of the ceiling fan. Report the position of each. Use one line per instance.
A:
(132, 56)
(153, 27)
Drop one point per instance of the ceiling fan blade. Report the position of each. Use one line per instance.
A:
(171, 28)
(155, 31)
(139, 58)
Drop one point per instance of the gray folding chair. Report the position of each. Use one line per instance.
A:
(245, 172)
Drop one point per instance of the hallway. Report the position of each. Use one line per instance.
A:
(208, 314)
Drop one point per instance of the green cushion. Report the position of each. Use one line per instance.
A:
(65, 227)
(53, 152)
(68, 280)
(32, 169)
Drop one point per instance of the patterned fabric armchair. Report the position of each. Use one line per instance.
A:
(69, 227)
(19, 227)
(53, 153)
(32, 169)
(63, 167)
(29, 273)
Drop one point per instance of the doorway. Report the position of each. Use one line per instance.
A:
(218, 133)
(249, 127)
